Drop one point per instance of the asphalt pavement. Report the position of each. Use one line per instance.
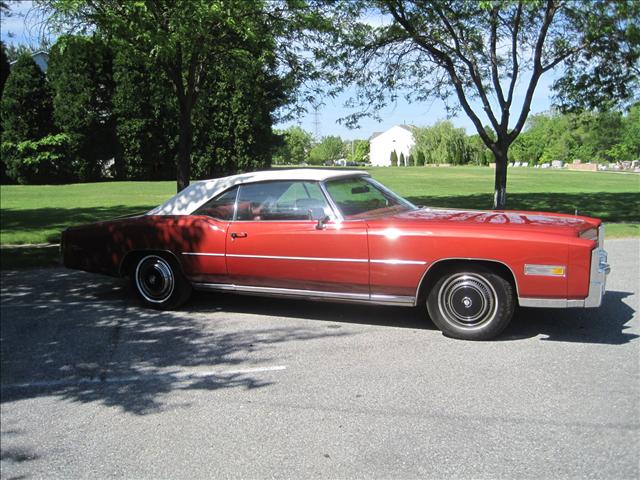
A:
(95, 386)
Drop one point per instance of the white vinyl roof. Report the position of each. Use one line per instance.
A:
(196, 194)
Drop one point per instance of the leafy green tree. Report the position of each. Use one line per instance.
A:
(442, 143)
(4, 67)
(14, 52)
(146, 114)
(358, 151)
(295, 148)
(26, 103)
(187, 37)
(81, 77)
(410, 161)
(4, 74)
(401, 162)
(233, 130)
(328, 150)
(394, 159)
(29, 151)
(460, 49)
(420, 158)
(592, 79)
(44, 160)
(630, 140)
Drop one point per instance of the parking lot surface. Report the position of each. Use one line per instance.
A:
(95, 386)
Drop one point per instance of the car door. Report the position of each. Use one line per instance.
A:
(279, 241)
(203, 252)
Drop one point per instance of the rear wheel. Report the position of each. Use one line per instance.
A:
(471, 303)
(159, 282)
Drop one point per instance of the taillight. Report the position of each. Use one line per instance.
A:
(591, 234)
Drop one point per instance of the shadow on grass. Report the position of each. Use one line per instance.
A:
(26, 257)
(58, 219)
(610, 207)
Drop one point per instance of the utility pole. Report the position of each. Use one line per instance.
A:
(316, 121)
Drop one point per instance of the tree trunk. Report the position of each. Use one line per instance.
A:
(500, 188)
(184, 148)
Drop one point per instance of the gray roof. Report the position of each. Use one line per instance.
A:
(408, 128)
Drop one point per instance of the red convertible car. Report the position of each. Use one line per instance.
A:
(340, 235)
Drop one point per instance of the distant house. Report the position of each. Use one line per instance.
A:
(41, 58)
(399, 138)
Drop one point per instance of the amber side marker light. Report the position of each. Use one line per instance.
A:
(545, 270)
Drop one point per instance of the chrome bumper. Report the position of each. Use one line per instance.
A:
(597, 283)
(598, 279)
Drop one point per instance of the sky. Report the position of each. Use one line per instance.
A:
(21, 28)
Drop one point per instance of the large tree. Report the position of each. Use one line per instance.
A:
(26, 105)
(186, 37)
(4, 67)
(330, 149)
(233, 120)
(146, 118)
(29, 152)
(465, 50)
(296, 144)
(81, 79)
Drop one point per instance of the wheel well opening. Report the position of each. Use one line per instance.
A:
(133, 257)
(438, 268)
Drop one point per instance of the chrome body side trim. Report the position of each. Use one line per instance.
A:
(550, 303)
(314, 259)
(394, 261)
(391, 261)
(308, 294)
(402, 300)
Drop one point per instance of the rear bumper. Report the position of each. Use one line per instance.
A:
(597, 284)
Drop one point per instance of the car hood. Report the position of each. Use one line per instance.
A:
(507, 218)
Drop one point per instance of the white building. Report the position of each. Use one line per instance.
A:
(399, 138)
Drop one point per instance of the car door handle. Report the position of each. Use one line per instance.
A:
(235, 235)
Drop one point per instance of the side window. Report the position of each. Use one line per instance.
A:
(220, 207)
(281, 201)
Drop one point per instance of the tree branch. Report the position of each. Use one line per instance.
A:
(549, 13)
(447, 63)
(514, 54)
(494, 60)
(473, 70)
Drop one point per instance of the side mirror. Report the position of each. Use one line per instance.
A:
(322, 222)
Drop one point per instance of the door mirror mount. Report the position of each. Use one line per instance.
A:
(321, 225)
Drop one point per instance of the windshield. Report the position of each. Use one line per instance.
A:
(359, 197)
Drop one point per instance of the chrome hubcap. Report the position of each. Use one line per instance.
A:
(154, 279)
(467, 300)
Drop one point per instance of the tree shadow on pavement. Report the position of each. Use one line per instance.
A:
(604, 325)
(85, 338)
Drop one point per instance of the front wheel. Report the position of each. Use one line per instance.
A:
(160, 283)
(471, 303)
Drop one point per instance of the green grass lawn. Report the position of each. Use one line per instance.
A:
(37, 214)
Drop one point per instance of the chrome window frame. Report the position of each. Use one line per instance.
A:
(235, 205)
(331, 206)
(373, 182)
